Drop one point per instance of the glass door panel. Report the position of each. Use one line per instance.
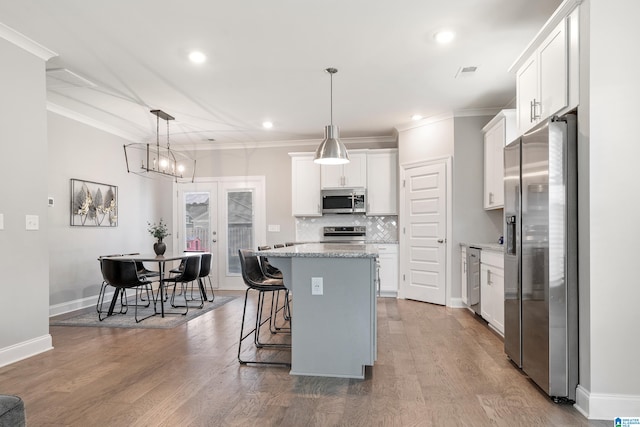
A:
(197, 221)
(240, 226)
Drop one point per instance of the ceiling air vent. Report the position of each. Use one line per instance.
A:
(466, 71)
(61, 78)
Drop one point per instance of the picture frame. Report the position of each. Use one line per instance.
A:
(93, 204)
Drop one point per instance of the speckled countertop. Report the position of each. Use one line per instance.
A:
(485, 246)
(323, 250)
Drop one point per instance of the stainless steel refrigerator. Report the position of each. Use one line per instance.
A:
(540, 262)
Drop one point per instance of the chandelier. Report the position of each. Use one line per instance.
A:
(155, 160)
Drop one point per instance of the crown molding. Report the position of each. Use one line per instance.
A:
(280, 144)
(73, 115)
(476, 112)
(24, 42)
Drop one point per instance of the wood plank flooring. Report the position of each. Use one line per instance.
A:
(436, 367)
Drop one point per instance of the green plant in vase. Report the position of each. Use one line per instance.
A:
(159, 231)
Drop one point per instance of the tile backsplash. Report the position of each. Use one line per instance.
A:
(379, 228)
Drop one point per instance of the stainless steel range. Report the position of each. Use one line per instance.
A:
(345, 234)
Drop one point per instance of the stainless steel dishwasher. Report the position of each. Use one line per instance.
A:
(473, 279)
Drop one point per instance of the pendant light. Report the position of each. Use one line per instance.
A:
(331, 150)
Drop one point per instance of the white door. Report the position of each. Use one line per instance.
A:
(424, 231)
(197, 230)
(235, 209)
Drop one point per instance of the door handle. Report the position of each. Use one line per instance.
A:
(214, 240)
(440, 240)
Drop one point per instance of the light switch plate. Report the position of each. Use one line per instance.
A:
(1, 221)
(274, 228)
(316, 286)
(32, 222)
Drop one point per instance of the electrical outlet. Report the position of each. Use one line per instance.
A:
(316, 286)
(1, 221)
(32, 222)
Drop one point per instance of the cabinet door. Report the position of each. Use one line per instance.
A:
(486, 294)
(496, 276)
(332, 176)
(553, 69)
(463, 274)
(494, 166)
(355, 172)
(388, 257)
(527, 94)
(382, 182)
(305, 186)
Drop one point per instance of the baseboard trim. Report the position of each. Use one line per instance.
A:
(25, 349)
(77, 304)
(597, 406)
(456, 303)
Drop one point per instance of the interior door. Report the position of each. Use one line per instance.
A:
(424, 233)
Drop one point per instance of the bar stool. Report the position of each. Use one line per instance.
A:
(255, 280)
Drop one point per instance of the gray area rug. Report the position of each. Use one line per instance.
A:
(90, 317)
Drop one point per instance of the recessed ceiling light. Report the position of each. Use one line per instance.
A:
(416, 117)
(444, 37)
(267, 125)
(197, 57)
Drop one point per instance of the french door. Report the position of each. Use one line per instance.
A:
(221, 215)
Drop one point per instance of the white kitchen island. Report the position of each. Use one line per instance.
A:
(333, 327)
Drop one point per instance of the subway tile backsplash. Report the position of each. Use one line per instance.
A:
(379, 228)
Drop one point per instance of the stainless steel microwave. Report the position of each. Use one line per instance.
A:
(344, 201)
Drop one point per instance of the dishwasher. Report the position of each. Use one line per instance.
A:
(473, 279)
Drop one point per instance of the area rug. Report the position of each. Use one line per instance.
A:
(90, 317)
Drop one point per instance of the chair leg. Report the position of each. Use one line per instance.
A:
(213, 295)
(148, 303)
(275, 309)
(254, 331)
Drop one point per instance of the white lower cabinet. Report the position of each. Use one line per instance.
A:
(492, 289)
(388, 259)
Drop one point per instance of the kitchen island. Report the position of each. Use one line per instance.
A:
(333, 327)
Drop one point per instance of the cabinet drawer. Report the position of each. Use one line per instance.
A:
(495, 259)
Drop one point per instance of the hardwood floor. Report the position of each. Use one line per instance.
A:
(436, 367)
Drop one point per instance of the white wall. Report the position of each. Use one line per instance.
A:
(24, 255)
(81, 152)
(614, 150)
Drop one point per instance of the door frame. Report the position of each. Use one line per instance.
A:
(224, 183)
(402, 219)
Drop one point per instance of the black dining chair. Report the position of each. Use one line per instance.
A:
(189, 273)
(255, 280)
(205, 276)
(103, 289)
(124, 275)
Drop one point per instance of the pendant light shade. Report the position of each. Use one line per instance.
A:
(331, 150)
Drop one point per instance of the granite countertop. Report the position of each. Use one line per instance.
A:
(323, 250)
(485, 246)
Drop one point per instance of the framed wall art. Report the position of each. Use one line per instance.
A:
(93, 204)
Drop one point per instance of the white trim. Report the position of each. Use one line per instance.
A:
(278, 144)
(447, 116)
(77, 304)
(560, 13)
(24, 42)
(25, 349)
(596, 406)
(457, 303)
(73, 115)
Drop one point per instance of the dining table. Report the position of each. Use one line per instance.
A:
(161, 260)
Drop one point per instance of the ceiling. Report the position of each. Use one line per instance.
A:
(266, 61)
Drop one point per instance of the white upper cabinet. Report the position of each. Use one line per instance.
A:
(382, 182)
(500, 131)
(350, 175)
(305, 185)
(546, 79)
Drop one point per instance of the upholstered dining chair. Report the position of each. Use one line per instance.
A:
(255, 280)
(124, 275)
(189, 273)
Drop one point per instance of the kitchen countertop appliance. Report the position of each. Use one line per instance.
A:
(540, 261)
(345, 234)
